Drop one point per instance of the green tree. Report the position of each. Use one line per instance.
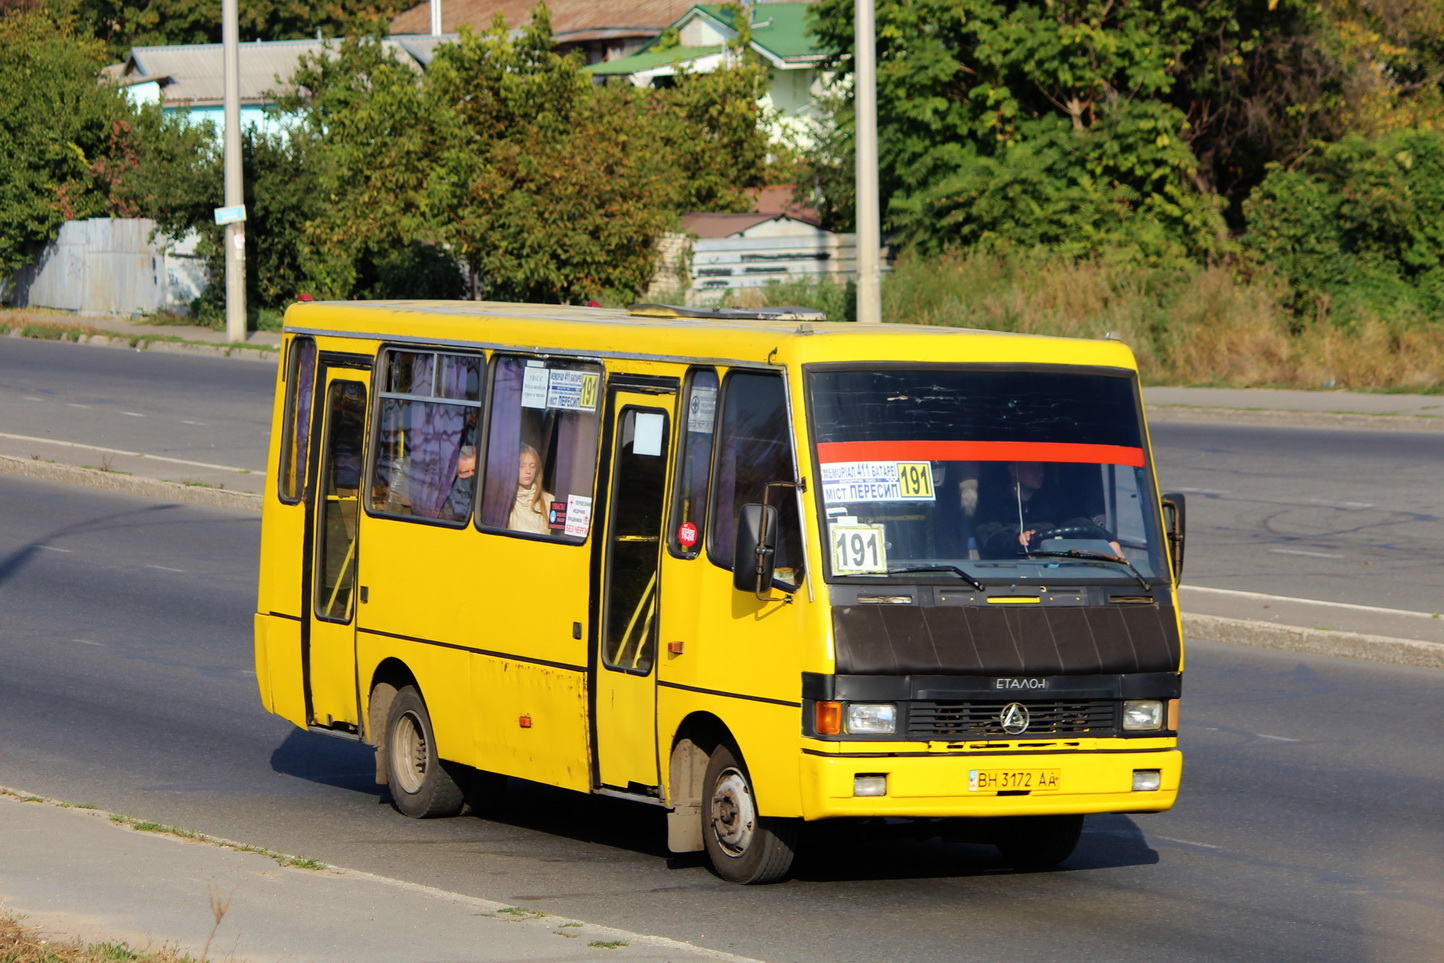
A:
(56, 125)
(123, 24)
(505, 154)
(1355, 227)
(996, 116)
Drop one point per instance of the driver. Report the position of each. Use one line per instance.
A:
(1011, 520)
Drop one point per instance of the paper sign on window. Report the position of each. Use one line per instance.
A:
(877, 481)
(858, 550)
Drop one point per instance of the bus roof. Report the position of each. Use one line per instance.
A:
(709, 338)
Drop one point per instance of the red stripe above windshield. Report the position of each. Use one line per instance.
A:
(832, 452)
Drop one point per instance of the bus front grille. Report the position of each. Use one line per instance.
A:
(972, 720)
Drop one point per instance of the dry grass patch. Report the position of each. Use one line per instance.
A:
(20, 943)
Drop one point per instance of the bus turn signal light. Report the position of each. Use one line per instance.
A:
(827, 718)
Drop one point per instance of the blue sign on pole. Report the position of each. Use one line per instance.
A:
(229, 215)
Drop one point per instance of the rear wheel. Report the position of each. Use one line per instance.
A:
(421, 786)
(744, 847)
(1038, 842)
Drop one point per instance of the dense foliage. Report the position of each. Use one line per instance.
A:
(1159, 132)
(74, 148)
(546, 186)
(123, 24)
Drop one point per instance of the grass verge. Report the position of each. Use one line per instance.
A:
(28, 944)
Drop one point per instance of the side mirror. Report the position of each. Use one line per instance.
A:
(754, 556)
(1175, 520)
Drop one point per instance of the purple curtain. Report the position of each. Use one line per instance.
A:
(435, 434)
(503, 448)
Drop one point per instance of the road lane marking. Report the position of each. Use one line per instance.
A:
(1295, 551)
(164, 569)
(133, 414)
(1265, 735)
(1285, 598)
(1203, 491)
(88, 642)
(1189, 842)
(199, 424)
(1334, 504)
(52, 548)
(73, 404)
(33, 398)
(131, 454)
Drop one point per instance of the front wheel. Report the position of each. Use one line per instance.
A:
(744, 847)
(421, 787)
(1038, 842)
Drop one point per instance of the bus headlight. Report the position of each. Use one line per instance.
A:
(872, 719)
(1142, 715)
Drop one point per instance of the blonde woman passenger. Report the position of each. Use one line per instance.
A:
(529, 511)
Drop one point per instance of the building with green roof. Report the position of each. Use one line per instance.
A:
(697, 42)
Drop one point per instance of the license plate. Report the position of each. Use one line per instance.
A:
(1013, 780)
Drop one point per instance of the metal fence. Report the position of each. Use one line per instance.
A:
(111, 266)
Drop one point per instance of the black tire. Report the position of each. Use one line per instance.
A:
(744, 847)
(1038, 842)
(421, 785)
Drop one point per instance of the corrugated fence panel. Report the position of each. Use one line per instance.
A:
(724, 263)
(111, 266)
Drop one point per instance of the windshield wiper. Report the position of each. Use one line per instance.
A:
(940, 568)
(1092, 557)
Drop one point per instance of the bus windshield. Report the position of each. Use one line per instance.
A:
(1022, 473)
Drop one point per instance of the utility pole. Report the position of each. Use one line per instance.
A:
(233, 215)
(869, 226)
(436, 18)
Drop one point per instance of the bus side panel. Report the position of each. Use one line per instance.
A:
(531, 722)
(479, 598)
(278, 667)
(752, 650)
(279, 585)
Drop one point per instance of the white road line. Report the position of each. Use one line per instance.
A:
(120, 451)
(1325, 501)
(164, 569)
(1265, 735)
(133, 414)
(33, 398)
(1295, 551)
(1203, 491)
(72, 404)
(88, 642)
(200, 424)
(52, 548)
(1188, 842)
(1285, 598)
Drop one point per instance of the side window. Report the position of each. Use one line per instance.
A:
(296, 429)
(428, 409)
(541, 452)
(689, 503)
(753, 450)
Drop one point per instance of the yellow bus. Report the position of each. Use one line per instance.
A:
(755, 568)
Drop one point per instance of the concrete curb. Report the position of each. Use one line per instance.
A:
(1292, 638)
(131, 484)
(1296, 419)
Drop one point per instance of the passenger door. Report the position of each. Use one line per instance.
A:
(334, 516)
(624, 690)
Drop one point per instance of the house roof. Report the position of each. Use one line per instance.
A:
(779, 34)
(780, 28)
(571, 19)
(195, 73)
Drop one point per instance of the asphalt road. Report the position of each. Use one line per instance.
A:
(1308, 826)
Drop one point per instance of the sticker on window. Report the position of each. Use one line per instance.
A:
(579, 516)
(702, 409)
(858, 550)
(534, 386)
(877, 481)
(573, 390)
